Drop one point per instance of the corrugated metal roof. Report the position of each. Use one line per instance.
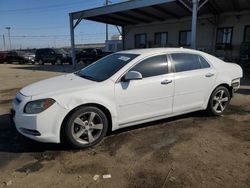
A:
(146, 11)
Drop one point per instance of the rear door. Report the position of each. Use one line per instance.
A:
(148, 98)
(51, 55)
(45, 54)
(194, 78)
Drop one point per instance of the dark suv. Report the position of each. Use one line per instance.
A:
(89, 55)
(52, 55)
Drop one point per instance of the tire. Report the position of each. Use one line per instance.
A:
(218, 101)
(58, 61)
(81, 132)
(40, 62)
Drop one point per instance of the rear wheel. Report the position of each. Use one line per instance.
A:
(86, 127)
(219, 101)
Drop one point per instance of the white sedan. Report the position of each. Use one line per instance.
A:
(124, 89)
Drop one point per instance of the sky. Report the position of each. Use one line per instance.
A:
(45, 23)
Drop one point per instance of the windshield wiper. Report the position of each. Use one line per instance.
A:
(88, 77)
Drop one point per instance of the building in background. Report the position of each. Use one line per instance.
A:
(114, 45)
(223, 39)
(221, 28)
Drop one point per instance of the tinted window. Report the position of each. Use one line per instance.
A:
(140, 40)
(185, 62)
(185, 38)
(203, 62)
(106, 67)
(152, 66)
(161, 39)
(224, 35)
(247, 34)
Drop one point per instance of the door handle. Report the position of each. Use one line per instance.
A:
(209, 75)
(164, 82)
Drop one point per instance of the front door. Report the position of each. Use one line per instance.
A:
(150, 97)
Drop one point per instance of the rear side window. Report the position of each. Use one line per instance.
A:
(203, 62)
(188, 62)
(152, 66)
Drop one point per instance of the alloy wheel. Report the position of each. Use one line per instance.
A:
(87, 127)
(220, 101)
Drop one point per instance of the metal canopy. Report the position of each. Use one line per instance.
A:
(146, 11)
(134, 12)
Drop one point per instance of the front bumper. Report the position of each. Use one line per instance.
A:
(42, 127)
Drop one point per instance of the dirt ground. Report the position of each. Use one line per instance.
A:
(186, 151)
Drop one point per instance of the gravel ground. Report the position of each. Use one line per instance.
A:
(192, 150)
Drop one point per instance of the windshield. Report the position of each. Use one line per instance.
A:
(106, 67)
(60, 51)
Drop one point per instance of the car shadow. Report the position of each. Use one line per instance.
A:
(197, 114)
(51, 68)
(12, 141)
(244, 91)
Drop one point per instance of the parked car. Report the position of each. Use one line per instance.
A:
(29, 57)
(52, 55)
(121, 90)
(3, 55)
(11, 57)
(90, 55)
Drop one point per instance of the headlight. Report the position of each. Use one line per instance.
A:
(35, 107)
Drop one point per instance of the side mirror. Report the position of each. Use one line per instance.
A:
(132, 75)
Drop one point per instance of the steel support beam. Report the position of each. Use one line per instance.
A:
(147, 14)
(194, 23)
(185, 5)
(202, 4)
(165, 12)
(119, 20)
(131, 17)
(72, 38)
(118, 29)
(77, 22)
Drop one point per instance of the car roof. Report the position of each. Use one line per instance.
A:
(152, 51)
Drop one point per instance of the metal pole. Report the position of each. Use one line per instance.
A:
(107, 26)
(72, 37)
(194, 23)
(8, 28)
(4, 44)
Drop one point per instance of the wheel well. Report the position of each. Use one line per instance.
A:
(101, 107)
(230, 88)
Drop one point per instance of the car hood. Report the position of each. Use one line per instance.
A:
(56, 85)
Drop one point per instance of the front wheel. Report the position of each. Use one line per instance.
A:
(58, 61)
(40, 62)
(219, 101)
(86, 127)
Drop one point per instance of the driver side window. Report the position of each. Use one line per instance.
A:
(152, 66)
